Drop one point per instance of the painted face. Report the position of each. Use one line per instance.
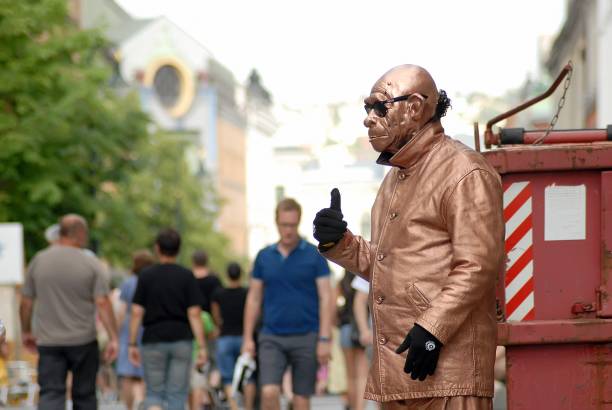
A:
(395, 110)
(388, 122)
(287, 223)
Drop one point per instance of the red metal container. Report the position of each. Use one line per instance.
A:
(555, 295)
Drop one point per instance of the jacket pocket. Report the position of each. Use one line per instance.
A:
(417, 297)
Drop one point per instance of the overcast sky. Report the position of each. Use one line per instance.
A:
(334, 50)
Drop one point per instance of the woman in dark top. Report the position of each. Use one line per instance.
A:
(131, 377)
(354, 353)
(227, 307)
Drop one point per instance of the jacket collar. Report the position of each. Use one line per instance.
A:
(420, 144)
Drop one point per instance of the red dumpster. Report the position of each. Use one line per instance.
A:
(555, 295)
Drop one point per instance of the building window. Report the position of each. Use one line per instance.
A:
(167, 85)
(172, 83)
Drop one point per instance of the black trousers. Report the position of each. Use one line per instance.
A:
(54, 362)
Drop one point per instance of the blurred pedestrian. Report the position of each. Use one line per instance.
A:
(67, 286)
(354, 351)
(291, 280)
(52, 234)
(131, 376)
(200, 388)
(361, 311)
(4, 355)
(208, 283)
(228, 312)
(167, 303)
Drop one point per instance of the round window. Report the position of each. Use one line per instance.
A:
(167, 85)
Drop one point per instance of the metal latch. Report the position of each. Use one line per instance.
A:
(578, 308)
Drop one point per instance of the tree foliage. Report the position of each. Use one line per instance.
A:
(166, 190)
(63, 131)
(70, 144)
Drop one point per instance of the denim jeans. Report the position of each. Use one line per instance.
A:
(53, 365)
(228, 350)
(167, 366)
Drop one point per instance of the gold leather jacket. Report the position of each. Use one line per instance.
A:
(437, 247)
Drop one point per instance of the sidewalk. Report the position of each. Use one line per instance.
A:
(327, 402)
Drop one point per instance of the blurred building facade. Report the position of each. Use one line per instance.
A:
(260, 164)
(586, 40)
(185, 91)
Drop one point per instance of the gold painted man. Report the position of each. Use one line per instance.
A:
(435, 251)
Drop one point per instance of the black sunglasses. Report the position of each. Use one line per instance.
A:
(380, 108)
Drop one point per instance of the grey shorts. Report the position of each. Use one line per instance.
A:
(275, 353)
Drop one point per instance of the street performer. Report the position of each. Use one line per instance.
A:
(436, 249)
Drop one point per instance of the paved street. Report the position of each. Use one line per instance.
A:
(319, 403)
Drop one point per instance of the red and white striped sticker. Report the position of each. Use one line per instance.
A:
(519, 248)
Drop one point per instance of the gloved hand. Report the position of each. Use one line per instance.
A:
(328, 224)
(423, 354)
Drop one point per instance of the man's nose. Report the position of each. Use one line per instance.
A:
(369, 120)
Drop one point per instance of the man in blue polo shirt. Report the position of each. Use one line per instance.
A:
(290, 280)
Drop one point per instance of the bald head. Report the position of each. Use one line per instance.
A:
(403, 101)
(73, 230)
(409, 79)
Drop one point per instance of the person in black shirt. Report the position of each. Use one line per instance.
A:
(167, 302)
(207, 281)
(228, 312)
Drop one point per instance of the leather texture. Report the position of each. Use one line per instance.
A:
(436, 249)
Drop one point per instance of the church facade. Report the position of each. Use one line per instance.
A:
(185, 91)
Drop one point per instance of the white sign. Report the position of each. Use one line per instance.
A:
(565, 213)
(11, 254)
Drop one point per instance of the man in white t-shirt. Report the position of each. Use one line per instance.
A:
(360, 310)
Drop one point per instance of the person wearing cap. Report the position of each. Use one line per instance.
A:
(437, 245)
(52, 234)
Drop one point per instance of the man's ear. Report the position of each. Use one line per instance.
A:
(416, 108)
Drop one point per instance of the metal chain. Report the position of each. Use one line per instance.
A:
(560, 105)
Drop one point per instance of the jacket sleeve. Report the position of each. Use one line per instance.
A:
(474, 219)
(352, 253)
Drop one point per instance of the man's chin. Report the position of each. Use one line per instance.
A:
(380, 144)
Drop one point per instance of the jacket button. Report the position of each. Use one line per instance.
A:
(380, 257)
(393, 215)
(380, 299)
(382, 340)
(401, 176)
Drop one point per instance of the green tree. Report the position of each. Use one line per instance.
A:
(64, 133)
(166, 190)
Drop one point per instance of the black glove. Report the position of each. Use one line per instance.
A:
(328, 226)
(423, 354)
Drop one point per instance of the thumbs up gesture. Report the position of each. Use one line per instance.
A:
(329, 227)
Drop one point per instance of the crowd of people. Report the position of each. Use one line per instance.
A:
(171, 335)
(431, 262)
